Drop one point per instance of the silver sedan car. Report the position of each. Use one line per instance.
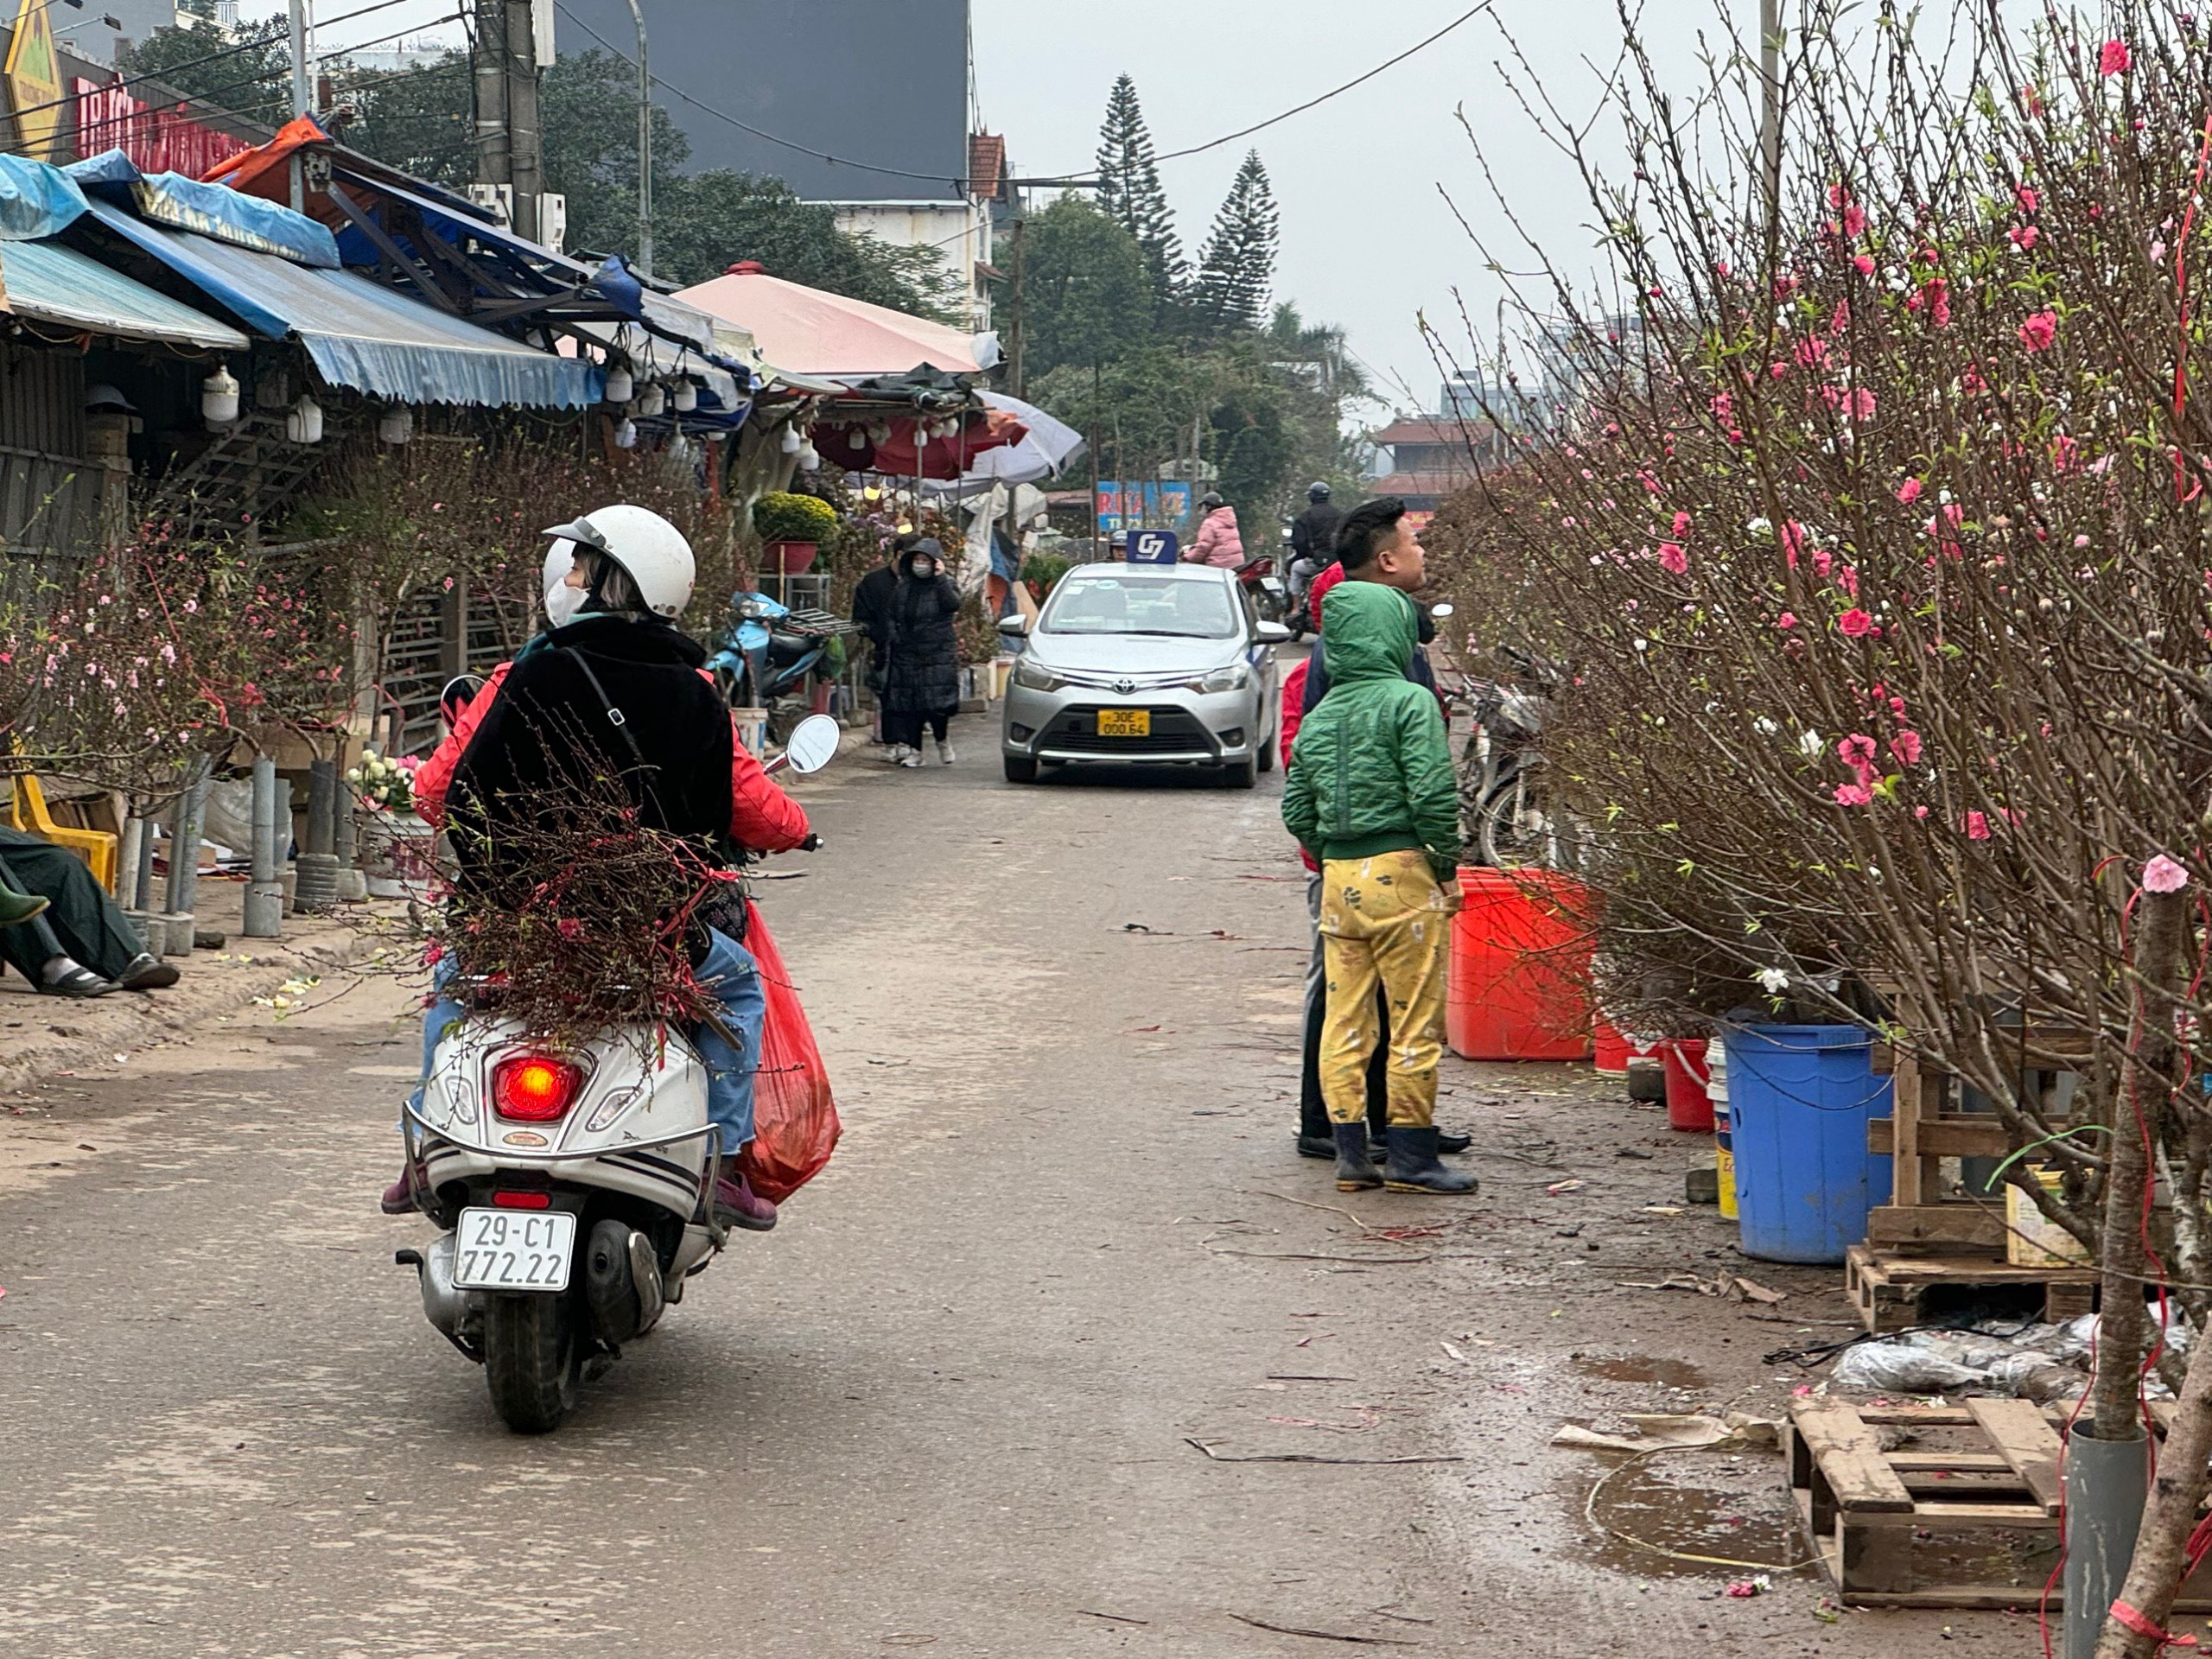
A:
(1144, 664)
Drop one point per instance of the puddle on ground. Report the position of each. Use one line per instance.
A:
(1641, 1368)
(1691, 1502)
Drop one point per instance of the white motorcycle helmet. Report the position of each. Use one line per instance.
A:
(649, 550)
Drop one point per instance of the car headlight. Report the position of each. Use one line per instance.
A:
(1235, 677)
(1033, 676)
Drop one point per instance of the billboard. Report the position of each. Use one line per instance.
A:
(1149, 505)
(34, 73)
(809, 92)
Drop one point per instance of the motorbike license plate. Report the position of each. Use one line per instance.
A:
(513, 1249)
(1125, 723)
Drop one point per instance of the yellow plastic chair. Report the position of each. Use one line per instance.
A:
(27, 810)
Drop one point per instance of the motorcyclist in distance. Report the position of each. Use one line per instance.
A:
(1313, 541)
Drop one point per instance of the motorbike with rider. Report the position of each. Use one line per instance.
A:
(507, 1136)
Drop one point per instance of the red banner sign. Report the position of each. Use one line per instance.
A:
(157, 139)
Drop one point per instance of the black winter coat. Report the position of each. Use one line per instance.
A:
(549, 727)
(1314, 533)
(872, 609)
(923, 675)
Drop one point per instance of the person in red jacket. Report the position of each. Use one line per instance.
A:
(614, 652)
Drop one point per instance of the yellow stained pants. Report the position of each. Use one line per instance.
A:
(1383, 919)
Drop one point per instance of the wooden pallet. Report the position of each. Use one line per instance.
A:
(1886, 1286)
(1883, 1522)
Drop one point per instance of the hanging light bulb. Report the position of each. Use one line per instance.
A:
(396, 426)
(219, 398)
(652, 400)
(626, 435)
(789, 442)
(686, 397)
(620, 384)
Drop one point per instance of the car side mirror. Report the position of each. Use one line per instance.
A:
(1015, 626)
(1273, 633)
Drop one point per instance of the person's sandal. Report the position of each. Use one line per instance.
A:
(145, 972)
(78, 982)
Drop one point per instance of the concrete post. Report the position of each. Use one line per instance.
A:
(184, 862)
(265, 894)
(317, 887)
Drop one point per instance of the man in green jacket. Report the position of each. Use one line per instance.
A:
(1372, 796)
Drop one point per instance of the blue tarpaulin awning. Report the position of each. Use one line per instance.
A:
(48, 282)
(360, 334)
(36, 199)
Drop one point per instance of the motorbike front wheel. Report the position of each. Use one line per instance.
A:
(532, 1360)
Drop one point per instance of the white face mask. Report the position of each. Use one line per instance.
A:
(924, 569)
(563, 603)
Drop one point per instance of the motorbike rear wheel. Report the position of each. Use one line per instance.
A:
(532, 1359)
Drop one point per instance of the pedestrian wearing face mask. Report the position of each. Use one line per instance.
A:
(921, 683)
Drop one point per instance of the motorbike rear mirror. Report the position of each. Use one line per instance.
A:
(813, 744)
(1014, 627)
(1273, 633)
(460, 691)
(1439, 612)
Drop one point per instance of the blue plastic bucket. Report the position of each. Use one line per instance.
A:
(1799, 1099)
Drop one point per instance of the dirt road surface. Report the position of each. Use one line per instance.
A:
(949, 1405)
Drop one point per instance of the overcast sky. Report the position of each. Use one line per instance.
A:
(1367, 240)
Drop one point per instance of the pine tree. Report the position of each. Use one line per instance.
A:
(1237, 266)
(1130, 190)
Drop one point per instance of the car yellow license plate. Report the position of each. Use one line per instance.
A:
(1125, 723)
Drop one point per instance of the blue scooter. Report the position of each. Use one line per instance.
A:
(769, 655)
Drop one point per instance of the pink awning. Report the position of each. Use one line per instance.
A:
(808, 331)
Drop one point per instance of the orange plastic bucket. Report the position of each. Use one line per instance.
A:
(1519, 986)
(1688, 1106)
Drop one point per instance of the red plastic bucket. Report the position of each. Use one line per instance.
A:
(1519, 984)
(1688, 1106)
(1609, 1050)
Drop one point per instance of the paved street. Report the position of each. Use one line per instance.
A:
(948, 1404)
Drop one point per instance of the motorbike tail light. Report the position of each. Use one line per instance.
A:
(533, 1088)
(522, 1200)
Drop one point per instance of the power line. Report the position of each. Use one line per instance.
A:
(1466, 17)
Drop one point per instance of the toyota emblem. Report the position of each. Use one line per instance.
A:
(1125, 687)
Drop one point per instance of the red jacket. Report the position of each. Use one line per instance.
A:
(1293, 712)
(761, 816)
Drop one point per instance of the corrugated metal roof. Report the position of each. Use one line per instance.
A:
(364, 335)
(49, 283)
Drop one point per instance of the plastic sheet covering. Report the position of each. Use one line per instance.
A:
(210, 210)
(36, 199)
(363, 335)
(49, 283)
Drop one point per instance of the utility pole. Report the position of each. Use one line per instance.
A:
(1771, 105)
(302, 97)
(494, 132)
(1014, 381)
(645, 146)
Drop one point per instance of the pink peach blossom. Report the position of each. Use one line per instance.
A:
(1855, 623)
(1977, 826)
(1908, 491)
(2039, 330)
(2115, 58)
(1906, 747)
(2163, 874)
(1853, 795)
(1672, 558)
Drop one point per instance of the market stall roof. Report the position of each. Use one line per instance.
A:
(380, 215)
(359, 334)
(48, 282)
(807, 331)
(36, 199)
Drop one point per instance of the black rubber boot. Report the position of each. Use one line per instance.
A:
(1447, 1141)
(1316, 1146)
(1355, 1170)
(1413, 1166)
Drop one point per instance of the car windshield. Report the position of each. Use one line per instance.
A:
(1175, 606)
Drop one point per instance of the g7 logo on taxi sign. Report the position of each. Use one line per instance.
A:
(1153, 547)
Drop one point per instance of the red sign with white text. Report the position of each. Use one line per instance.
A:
(156, 138)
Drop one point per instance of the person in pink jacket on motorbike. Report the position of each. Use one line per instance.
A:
(1217, 542)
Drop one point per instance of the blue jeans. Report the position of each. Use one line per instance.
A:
(729, 975)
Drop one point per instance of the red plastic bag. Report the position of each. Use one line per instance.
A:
(794, 1118)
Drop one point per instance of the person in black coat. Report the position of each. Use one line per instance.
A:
(921, 683)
